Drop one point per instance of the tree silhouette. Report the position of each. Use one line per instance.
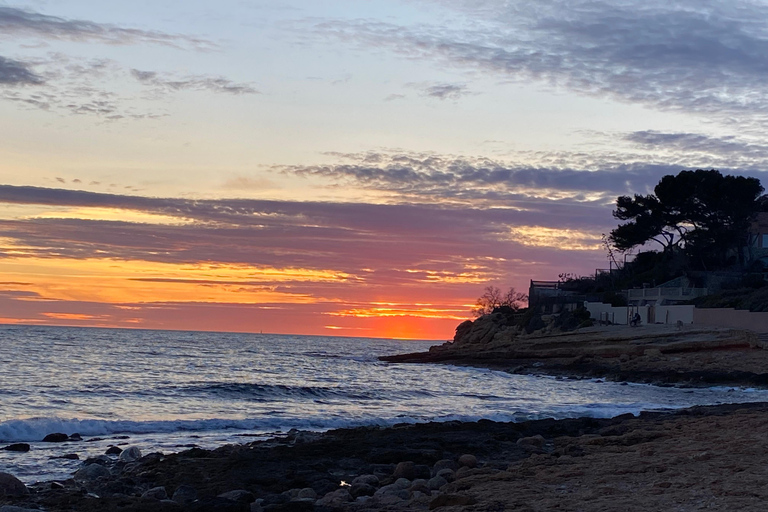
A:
(493, 298)
(704, 212)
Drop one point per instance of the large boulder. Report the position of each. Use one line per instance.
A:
(11, 486)
(17, 447)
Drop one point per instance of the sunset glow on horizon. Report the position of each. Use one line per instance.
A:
(345, 168)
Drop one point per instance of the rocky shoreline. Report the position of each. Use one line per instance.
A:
(653, 354)
(693, 454)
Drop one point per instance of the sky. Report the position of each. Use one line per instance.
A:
(346, 167)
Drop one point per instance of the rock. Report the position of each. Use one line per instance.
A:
(450, 500)
(17, 447)
(113, 450)
(444, 464)
(239, 496)
(402, 483)
(91, 472)
(75, 437)
(335, 499)
(13, 508)
(532, 443)
(366, 479)
(130, 454)
(102, 460)
(307, 493)
(468, 460)
(405, 470)
(56, 438)
(155, 493)
(361, 489)
(68, 456)
(419, 485)
(11, 486)
(214, 505)
(462, 472)
(624, 358)
(436, 483)
(184, 494)
(422, 471)
(449, 474)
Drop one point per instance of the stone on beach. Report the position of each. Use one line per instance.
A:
(17, 447)
(372, 480)
(444, 464)
(468, 460)
(155, 493)
(307, 493)
(91, 473)
(239, 496)
(57, 437)
(436, 483)
(113, 450)
(532, 443)
(130, 454)
(448, 474)
(11, 486)
(184, 494)
(405, 470)
(335, 498)
(362, 489)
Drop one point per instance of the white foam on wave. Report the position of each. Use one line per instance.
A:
(35, 429)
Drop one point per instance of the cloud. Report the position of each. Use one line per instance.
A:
(14, 72)
(15, 23)
(347, 237)
(694, 57)
(752, 153)
(216, 84)
(442, 91)
(431, 177)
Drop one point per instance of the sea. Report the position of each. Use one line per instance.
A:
(166, 391)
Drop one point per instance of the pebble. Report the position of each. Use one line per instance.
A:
(405, 470)
(436, 483)
(155, 493)
(361, 489)
(113, 450)
(448, 474)
(184, 494)
(307, 493)
(335, 498)
(130, 454)
(468, 460)
(535, 442)
(366, 479)
(444, 464)
(91, 472)
(239, 496)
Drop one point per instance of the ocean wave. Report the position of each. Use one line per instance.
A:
(281, 392)
(35, 429)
